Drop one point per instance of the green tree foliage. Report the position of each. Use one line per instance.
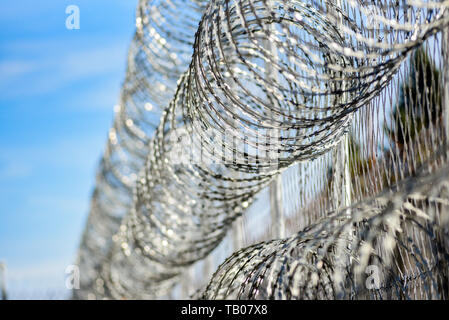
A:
(419, 101)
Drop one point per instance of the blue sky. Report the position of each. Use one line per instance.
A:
(57, 92)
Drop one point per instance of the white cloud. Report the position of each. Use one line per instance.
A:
(15, 170)
(50, 69)
(16, 68)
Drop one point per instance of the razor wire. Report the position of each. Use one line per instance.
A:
(159, 53)
(401, 235)
(411, 132)
(271, 83)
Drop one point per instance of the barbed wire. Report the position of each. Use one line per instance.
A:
(159, 52)
(270, 83)
(402, 233)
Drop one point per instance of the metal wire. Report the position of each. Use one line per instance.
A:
(159, 52)
(271, 83)
(402, 233)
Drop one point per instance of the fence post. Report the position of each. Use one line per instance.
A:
(275, 187)
(445, 66)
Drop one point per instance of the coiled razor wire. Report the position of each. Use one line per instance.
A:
(159, 53)
(271, 83)
(392, 246)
